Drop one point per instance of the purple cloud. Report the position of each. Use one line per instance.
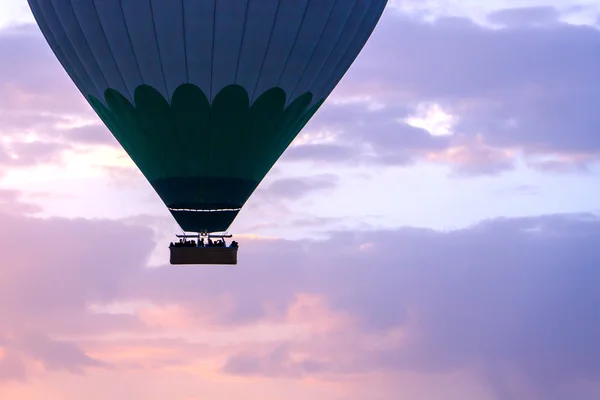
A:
(38, 96)
(295, 188)
(32, 76)
(278, 363)
(320, 152)
(10, 203)
(56, 355)
(521, 190)
(90, 134)
(32, 153)
(368, 136)
(525, 16)
(12, 367)
(528, 88)
(507, 296)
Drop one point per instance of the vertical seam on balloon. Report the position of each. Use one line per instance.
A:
(160, 161)
(285, 64)
(352, 42)
(168, 96)
(363, 40)
(110, 49)
(212, 52)
(360, 36)
(56, 47)
(314, 50)
(162, 69)
(210, 98)
(239, 57)
(187, 74)
(73, 48)
(266, 52)
(86, 43)
(237, 67)
(333, 47)
(187, 165)
(334, 67)
(133, 54)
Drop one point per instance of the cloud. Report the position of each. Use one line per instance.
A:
(525, 16)
(528, 90)
(295, 188)
(42, 113)
(92, 134)
(22, 154)
(366, 136)
(75, 262)
(277, 363)
(55, 355)
(10, 203)
(521, 190)
(471, 156)
(51, 270)
(510, 302)
(504, 298)
(490, 298)
(11, 366)
(31, 77)
(320, 152)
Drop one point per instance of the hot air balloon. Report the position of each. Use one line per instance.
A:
(206, 95)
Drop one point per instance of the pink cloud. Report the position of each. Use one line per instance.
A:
(11, 366)
(472, 156)
(359, 307)
(11, 204)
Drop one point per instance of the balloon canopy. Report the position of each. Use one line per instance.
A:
(206, 95)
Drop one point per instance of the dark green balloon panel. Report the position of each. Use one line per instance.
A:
(203, 156)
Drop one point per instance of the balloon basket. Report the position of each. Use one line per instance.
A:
(199, 252)
(204, 255)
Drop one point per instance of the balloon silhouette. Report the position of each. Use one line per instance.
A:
(206, 95)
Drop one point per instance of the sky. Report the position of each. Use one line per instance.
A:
(431, 234)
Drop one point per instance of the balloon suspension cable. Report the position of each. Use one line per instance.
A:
(198, 235)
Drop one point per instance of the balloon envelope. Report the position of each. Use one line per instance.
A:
(205, 95)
